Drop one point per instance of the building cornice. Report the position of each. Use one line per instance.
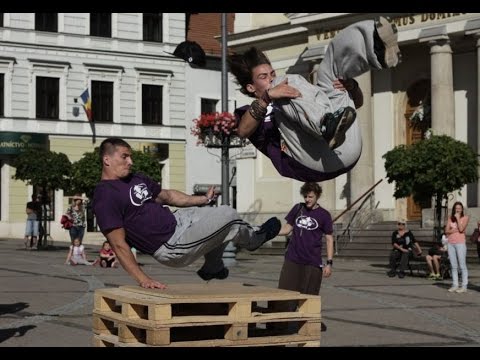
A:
(305, 18)
(265, 34)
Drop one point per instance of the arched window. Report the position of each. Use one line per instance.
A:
(419, 105)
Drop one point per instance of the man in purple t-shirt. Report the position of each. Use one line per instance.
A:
(309, 131)
(303, 268)
(307, 223)
(131, 212)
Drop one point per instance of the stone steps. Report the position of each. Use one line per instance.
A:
(371, 243)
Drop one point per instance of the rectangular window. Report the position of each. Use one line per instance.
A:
(152, 27)
(47, 97)
(2, 95)
(208, 106)
(101, 24)
(152, 104)
(46, 22)
(102, 101)
(1, 19)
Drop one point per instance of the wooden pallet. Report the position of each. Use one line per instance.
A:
(210, 314)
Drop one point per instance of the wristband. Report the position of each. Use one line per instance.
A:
(209, 200)
(330, 262)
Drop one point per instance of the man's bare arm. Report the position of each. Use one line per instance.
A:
(180, 199)
(248, 124)
(329, 242)
(285, 229)
(116, 238)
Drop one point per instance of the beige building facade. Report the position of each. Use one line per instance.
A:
(441, 60)
(127, 57)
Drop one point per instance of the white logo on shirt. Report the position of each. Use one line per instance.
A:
(139, 194)
(306, 222)
(268, 116)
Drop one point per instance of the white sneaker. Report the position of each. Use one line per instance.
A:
(461, 290)
(453, 289)
(388, 33)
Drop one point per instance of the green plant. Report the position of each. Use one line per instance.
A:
(87, 171)
(45, 169)
(431, 168)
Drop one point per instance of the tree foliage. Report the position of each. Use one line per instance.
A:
(44, 168)
(432, 167)
(87, 171)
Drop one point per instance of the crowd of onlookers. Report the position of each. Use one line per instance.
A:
(450, 250)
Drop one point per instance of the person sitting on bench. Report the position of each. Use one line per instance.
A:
(434, 258)
(403, 243)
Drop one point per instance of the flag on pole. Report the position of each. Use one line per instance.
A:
(87, 104)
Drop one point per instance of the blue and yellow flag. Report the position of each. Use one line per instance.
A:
(87, 104)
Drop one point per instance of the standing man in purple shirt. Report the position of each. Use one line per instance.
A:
(307, 222)
(303, 268)
(131, 212)
(309, 131)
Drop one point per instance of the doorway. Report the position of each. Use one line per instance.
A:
(418, 97)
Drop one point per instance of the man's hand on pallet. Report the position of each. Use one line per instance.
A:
(152, 284)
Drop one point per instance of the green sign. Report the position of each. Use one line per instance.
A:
(12, 143)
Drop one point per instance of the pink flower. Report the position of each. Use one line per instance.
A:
(216, 124)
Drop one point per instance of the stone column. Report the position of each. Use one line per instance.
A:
(361, 176)
(443, 102)
(477, 35)
(473, 28)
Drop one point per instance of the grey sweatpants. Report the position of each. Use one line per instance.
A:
(206, 231)
(350, 54)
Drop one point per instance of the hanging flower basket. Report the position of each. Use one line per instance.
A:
(217, 130)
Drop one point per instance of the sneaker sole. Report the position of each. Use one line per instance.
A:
(278, 225)
(344, 124)
(388, 33)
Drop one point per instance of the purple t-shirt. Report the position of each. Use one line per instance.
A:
(130, 204)
(309, 226)
(266, 139)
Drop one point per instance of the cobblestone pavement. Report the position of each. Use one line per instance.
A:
(44, 303)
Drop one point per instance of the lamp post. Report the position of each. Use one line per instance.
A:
(225, 146)
(223, 140)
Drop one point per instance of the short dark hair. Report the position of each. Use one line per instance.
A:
(109, 145)
(242, 65)
(311, 186)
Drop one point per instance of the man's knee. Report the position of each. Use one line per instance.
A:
(228, 212)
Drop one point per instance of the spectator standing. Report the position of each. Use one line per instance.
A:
(31, 227)
(303, 268)
(457, 248)
(475, 238)
(76, 212)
